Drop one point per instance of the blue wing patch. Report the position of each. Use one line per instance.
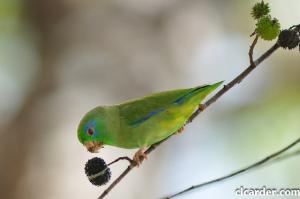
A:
(178, 101)
(181, 99)
(143, 119)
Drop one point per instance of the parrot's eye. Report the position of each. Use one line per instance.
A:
(90, 131)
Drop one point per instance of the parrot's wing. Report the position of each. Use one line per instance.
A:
(138, 111)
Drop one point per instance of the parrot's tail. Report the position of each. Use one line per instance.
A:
(204, 89)
(208, 87)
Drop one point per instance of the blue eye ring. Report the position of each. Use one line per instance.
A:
(90, 128)
(90, 131)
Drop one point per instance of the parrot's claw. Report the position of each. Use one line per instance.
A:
(202, 107)
(179, 131)
(137, 156)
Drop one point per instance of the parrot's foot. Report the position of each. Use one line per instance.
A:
(137, 156)
(202, 107)
(179, 131)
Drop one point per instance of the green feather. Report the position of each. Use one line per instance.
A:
(145, 121)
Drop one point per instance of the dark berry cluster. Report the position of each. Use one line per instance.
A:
(97, 171)
(289, 38)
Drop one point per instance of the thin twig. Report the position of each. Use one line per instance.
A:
(127, 170)
(214, 98)
(235, 81)
(253, 33)
(251, 50)
(248, 168)
(121, 158)
(287, 155)
(297, 27)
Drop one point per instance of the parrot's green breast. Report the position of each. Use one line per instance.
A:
(148, 120)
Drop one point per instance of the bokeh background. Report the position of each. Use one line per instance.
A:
(60, 58)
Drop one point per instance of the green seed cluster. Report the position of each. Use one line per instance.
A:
(260, 9)
(267, 28)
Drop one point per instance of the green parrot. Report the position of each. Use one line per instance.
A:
(141, 122)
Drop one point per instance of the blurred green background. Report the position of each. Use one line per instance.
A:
(60, 58)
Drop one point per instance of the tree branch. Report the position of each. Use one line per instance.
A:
(201, 108)
(121, 158)
(251, 50)
(255, 165)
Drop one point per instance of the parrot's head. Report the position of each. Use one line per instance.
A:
(92, 130)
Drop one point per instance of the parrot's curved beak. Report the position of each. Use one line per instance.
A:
(93, 146)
